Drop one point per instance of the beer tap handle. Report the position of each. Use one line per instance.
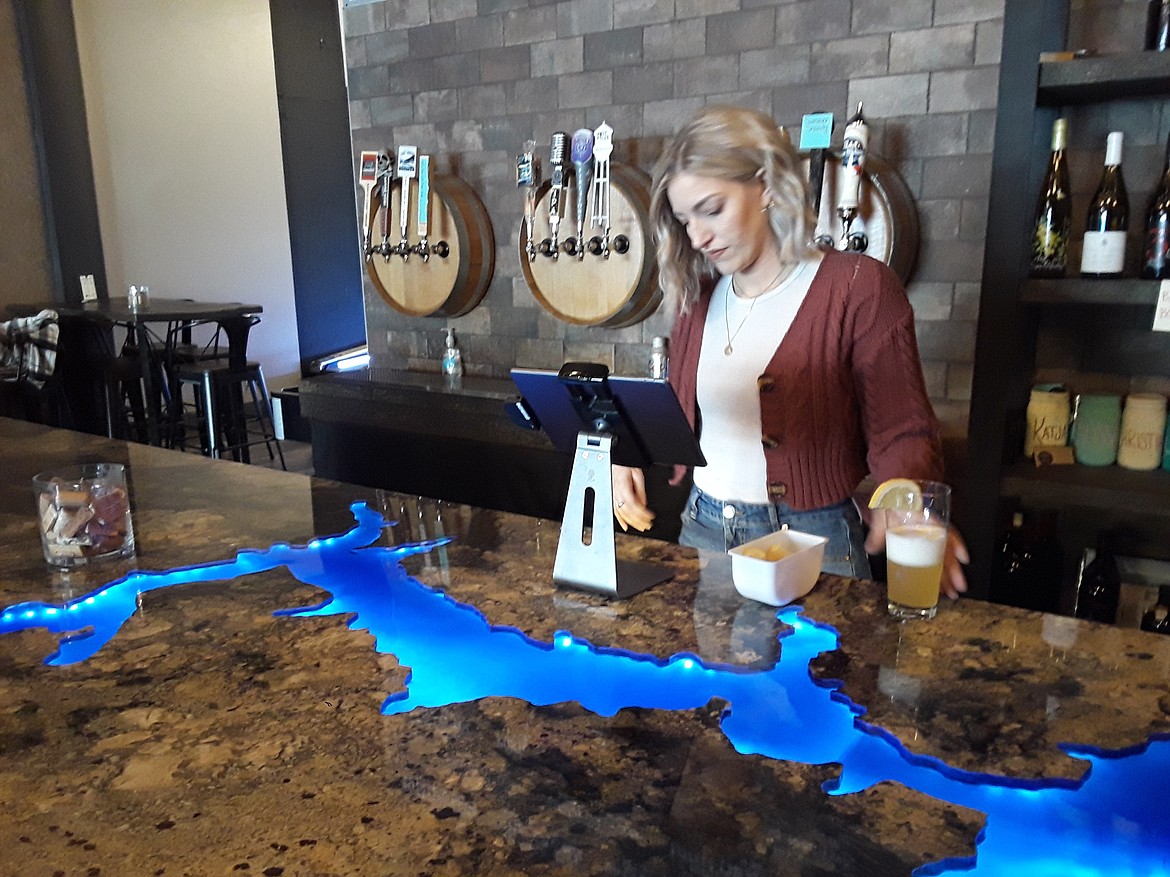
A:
(856, 240)
(367, 177)
(852, 167)
(556, 160)
(407, 167)
(602, 149)
(581, 155)
(424, 206)
(528, 178)
(385, 196)
(816, 135)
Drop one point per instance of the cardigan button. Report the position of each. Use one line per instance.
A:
(768, 442)
(765, 383)
(777, 489)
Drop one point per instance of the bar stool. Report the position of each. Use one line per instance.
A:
(125, 390)
(220, 417)
(124, 399)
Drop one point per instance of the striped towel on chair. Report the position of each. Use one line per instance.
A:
(29, 344)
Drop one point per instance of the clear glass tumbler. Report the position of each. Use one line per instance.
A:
(84, 514)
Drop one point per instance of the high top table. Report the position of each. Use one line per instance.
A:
(210, 736)
(234, 317)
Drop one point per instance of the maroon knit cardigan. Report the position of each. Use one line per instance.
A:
(843, 396)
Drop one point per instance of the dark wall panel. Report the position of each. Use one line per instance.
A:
(314, 132)
(49, 44)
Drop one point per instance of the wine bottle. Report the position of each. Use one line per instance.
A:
(1108, 218)
(1157, 618)
(1028, 565)
(1050, 231)
(1156, 254)
(1100, 590)
(1013, 565)
(1158, 25)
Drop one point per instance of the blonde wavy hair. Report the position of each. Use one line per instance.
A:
(729, 143)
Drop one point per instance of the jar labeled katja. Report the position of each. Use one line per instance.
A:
(1048, 417)
(1143, 426)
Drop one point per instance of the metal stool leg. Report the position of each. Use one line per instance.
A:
(265, 412)
(227, 427)
(209, 417)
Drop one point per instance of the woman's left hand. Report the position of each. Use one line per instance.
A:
(629, 498)
(954, 580)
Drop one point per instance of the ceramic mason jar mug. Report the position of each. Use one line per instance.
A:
(1143, 424)
(1048, 416)
(1096, 428)
(1166, 448)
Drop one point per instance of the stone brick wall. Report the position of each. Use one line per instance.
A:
(470, 80)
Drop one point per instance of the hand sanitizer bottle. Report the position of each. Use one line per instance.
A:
(659, 365)
(452, 357)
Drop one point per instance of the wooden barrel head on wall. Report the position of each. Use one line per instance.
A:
(447, 286)
(620, 290)
(887, 213)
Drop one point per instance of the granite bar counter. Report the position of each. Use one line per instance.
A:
(210, 736)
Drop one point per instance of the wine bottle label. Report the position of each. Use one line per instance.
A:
(1049, 247)
(1104, 252)
(1156, 259)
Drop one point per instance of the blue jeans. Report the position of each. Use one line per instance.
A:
(715, 525)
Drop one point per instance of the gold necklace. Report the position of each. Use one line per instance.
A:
(731, 336)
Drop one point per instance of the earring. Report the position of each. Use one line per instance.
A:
(767, 207)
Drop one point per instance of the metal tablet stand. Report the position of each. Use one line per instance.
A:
(629, 421)
(586, 557)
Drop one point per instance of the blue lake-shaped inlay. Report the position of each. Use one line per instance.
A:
(1112, 821)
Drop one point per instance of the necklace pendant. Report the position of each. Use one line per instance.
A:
(727, 350)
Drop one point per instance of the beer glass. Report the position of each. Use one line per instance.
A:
(916, 541)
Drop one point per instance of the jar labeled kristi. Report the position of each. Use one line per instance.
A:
(1143, 425)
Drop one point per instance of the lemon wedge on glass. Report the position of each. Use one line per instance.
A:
(897, 493)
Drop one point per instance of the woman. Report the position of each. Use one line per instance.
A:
(797, 368)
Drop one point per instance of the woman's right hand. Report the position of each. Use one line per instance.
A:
(629, 498)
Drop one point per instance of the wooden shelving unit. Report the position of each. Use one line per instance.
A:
(1105, 78)
(1077, 291)
(1112, 318)
(1109, 488)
